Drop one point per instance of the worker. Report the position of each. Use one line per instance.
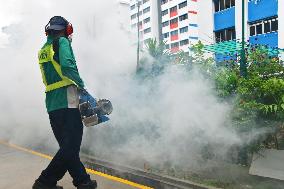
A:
(62, 84)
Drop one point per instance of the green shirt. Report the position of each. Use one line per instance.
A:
(58, 99)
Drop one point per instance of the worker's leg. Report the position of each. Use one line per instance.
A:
(68, 130)
(71, 147)
(56, 169)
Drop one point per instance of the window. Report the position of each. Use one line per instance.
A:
(140, 13)
(146, 20)
(165, 12)
(164, 1)
(225, 35)
(258, 29)
(148, 30)
(223, 4)
(264, 26)
(252, 30)
(182, 5)
(145, 1)
(133, 16)
(167, 46)
(183, 30)
(227, 4)
(183, 17)
(166, 35)
(173, 9)
(175, 45)
(133, 25)
(174, 32)
(230, 34)
(146, 10)
(173, 21)
(184, 42)
(220, 36)
(267, 27)
(274, 25)
(216, 5)
(132, 7)
(164, 24)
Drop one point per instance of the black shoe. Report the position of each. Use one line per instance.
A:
(88, 185)
(39, 185)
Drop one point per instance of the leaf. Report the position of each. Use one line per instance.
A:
(271, 108)
(282, 105)
(275, 108)
(266, 109)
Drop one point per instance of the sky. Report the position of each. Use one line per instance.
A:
(8, 15)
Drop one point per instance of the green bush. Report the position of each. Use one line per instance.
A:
(258, 99)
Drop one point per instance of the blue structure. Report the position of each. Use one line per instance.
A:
(262, 12)
(269, 39)
(262, 22)
(224, 19)
(262, 9)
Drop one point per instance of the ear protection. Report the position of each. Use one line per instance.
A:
(46, 28)
(68, 27)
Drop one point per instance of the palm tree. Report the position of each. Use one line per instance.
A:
(156, 49)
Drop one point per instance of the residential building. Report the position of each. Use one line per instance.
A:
(182, 23)
(261, 18)
(177, 22)
(182, 26)
(123, 17)
(149, 22)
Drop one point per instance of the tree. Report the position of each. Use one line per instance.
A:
(161, 57)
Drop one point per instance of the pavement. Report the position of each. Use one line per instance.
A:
(268, 163)
(19, 167)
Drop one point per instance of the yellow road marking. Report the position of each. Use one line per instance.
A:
(90, 171)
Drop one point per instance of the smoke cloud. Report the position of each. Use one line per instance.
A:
(170, 119)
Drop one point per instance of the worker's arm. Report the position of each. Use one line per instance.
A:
(68, 62)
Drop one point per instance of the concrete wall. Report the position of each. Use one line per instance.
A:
(156, 17)
(238, 19)
(281, 26)
(123, 12)
(153, 24)
(206, 22)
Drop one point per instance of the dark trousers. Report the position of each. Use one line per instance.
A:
(68, 130)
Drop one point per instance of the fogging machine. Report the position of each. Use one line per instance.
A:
(93, 111)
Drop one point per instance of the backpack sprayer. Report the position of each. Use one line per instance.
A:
(93, 111)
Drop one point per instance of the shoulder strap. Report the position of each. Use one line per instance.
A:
(55, 45)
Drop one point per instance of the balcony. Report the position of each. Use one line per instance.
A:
(262, 9)
(173, 13)
(174, 49)
(269, 39)
(173, 25)
(174, 37)
(224, 19)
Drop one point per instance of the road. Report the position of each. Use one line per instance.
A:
(20, 167)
